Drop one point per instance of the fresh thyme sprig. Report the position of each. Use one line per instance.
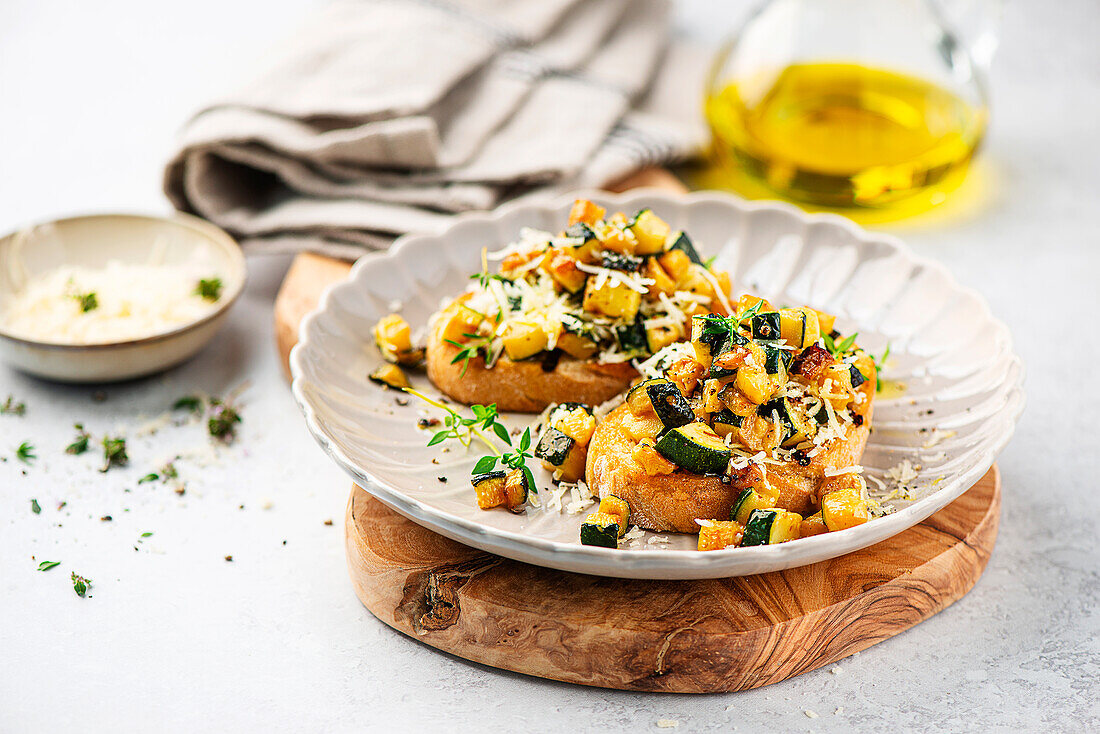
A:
(485, 418)
(515, 459)
(463, 429)
(838, 349)
(470, 350)
(715, 325)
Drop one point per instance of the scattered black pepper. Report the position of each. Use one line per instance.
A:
(800, 457)
(442, 479)
(427, 422)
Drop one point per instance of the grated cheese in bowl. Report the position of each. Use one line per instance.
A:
(119, 302)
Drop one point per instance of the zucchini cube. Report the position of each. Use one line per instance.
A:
(615, 301)
(766, 325)
(612, 505)
(391, 376)
(523, 340)
(680, 242)
(601, 530)
(650, 232)
(632, 337)
(771, 526)
(618, 261)
(662, 397)
(460, 320)
(695, 447)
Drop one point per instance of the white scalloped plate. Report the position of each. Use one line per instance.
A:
(964, 381)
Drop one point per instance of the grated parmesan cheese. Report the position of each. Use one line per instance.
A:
(133, 301)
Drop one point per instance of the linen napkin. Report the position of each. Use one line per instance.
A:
(372, 122)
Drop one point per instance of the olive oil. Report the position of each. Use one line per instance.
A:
(845, 135)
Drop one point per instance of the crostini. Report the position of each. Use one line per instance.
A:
(569, 315)
(749, 434)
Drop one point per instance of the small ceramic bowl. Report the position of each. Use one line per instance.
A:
(93, 241)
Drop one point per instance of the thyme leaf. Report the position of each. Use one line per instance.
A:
(10, 407)
(87, 301)
(210, 289)
(80, 444)
(80, 584)
(114, 453)
(25, 453)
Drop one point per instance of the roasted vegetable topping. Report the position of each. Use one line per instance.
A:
(608, 288)
(391, 376)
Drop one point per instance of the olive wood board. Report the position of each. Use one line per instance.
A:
(671, 636)
(668, 636)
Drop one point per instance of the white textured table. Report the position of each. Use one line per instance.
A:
(175, 638)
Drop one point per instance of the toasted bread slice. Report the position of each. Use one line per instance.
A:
(672, 502)
(525, 386)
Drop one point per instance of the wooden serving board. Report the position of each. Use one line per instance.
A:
(671, 636)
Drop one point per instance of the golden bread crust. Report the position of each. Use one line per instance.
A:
(672, 502)
(523, 387)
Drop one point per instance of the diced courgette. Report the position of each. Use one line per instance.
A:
(612, 505)
(391, 376)
(694, 447)
(601, 530)
(614, 300)
(725, 422)
(553, 447)
(619, 261)
(561, 454)
(632, 337)
(659, 337)
(797, 427)
(523, 340)
(766, 325)
(576, 338)
(750, 499)
(650, 232)
(662, 397)
(857, 376)
(771, 526)
(799, 327)
(680, 241)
